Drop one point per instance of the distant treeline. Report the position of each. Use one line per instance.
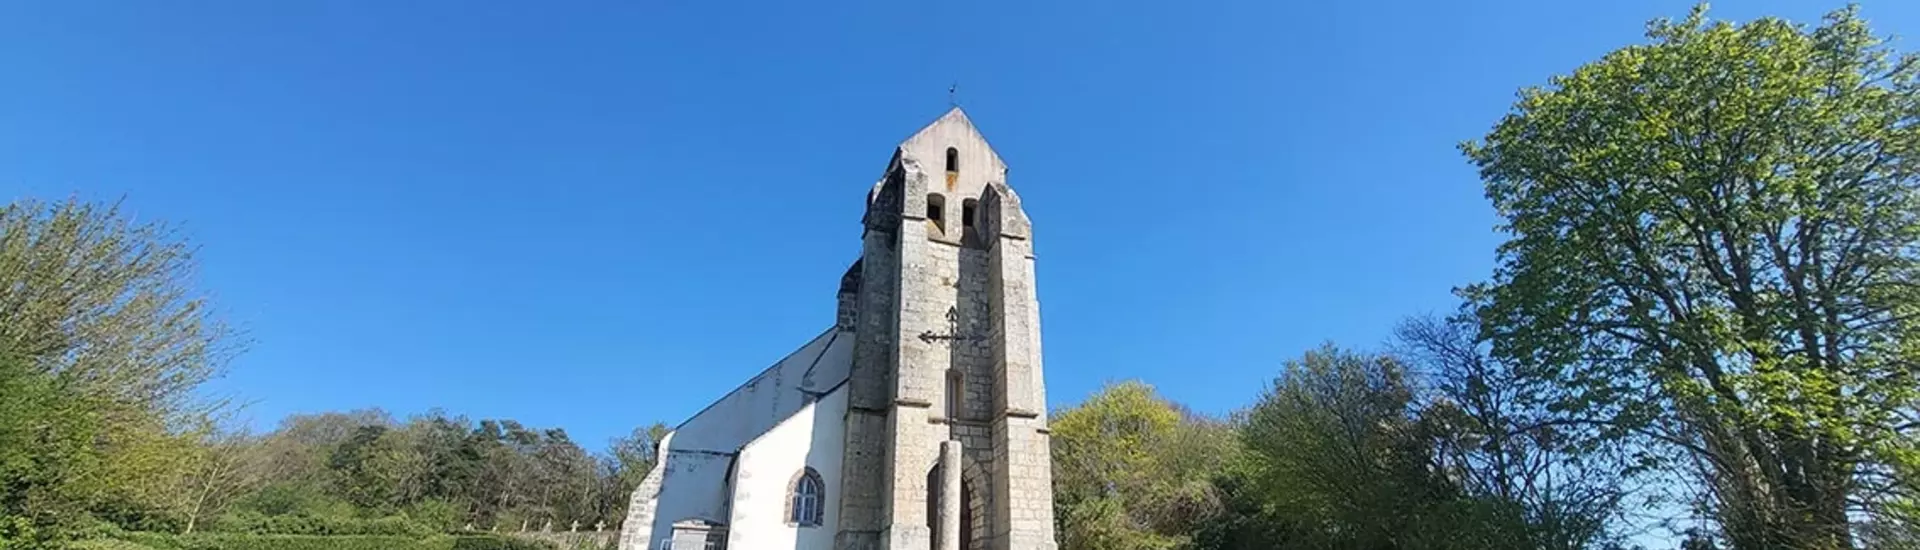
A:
(450, 472)
(102, 345)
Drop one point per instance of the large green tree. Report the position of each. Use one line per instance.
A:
(1337, 449)
(47, 456)
(99, 311)
(1712, 246)
(90, 293)
(1133, 471)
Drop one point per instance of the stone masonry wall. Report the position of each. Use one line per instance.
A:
(1022, 466)
(863, 491)
(971, 355)
(917, 385)
(939, 313)
(636, 533)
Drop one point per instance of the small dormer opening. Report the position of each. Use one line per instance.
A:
(936, 211)
(953, 159)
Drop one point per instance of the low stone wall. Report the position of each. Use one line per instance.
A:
(577, 540)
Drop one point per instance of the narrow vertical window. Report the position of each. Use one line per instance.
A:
(956, 390)
(968, 210)
(953, 160)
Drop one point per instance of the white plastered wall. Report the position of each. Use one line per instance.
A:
(811, 438)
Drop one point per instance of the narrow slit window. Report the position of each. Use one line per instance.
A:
(953, 159)
(967, 211)
(956, 390)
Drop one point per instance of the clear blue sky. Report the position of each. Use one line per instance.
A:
(596, 215)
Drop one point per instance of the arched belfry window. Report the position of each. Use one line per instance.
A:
(806, 499)
(953, 159)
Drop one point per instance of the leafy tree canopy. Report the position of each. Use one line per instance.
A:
(1711, 246)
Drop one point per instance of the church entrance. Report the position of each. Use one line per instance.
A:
(933, 510)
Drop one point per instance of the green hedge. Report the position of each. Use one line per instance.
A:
(496, 542)
(243, 541)
(302, 524)
(108, 544)
(240, 541)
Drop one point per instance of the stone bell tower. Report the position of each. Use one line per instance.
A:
(946, 428)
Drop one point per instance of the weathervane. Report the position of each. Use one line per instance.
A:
(953, 94)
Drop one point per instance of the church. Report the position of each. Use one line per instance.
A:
(916, 421)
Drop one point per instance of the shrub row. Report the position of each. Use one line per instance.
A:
(489, 541)
(108, 544)
(302, 524)
(239, 541)
(242, 541)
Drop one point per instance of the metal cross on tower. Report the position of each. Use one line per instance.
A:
(953, 329)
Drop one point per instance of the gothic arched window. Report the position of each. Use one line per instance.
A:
(806, 499)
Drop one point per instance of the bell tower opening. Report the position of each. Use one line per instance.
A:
(953, 168)
(937, 211)
(970, 223)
